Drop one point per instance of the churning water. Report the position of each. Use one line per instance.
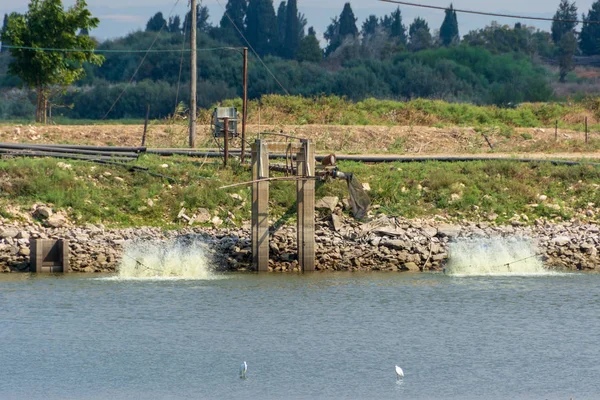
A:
(494, 256)
(165, 260)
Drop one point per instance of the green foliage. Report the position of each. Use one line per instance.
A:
(419, 35)
(47, 25)
(449, 29)
(292, 35)
(564, 20)
(398, 30)
(156, 23)
(261, 26)
(500, 39)
(589, 39)
(309, 49)
(567, 46)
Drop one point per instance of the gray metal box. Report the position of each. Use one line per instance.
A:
(218, 121)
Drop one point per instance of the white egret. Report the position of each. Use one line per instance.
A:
(399, 372)
(243, 369)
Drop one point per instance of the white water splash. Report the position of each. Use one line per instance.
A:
(494, 256)
(165, 260)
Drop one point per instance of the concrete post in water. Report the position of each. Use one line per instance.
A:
(49, 255)
(306, 207)
(260, 209)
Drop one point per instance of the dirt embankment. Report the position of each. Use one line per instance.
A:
(422, 140)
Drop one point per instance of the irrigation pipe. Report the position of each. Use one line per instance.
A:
(374, 159)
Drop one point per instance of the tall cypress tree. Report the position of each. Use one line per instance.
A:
(567, 13)
(449, 28)
(589, 39)
(281, 18)
(348, 22)
(236, 10)
(292, 29)
(261, 26)
(398, 30)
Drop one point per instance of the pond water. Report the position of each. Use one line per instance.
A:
(313, 336)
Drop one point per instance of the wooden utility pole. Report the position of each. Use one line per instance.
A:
(193, 77)
(226, 140)
(244, 105)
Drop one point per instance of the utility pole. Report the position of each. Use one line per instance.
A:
(193, 77)
(245, 105)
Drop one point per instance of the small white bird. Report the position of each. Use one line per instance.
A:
(243, 369)
(399, 372)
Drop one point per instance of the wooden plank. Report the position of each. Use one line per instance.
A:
(306, 208)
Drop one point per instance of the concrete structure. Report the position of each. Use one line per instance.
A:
(305, 186)
(49, 255)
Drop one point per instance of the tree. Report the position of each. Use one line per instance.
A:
(566, 50)
(589, 39)
(567, 14)
(348, 22)
(42, 69)
(292, 30)
(419, 35)
(281, 18)
(449, 28)
(174, 25)
(155, 23)
(397, 29)
(370, 26)
(261, 26)
(202, 23)
(309, 49)
(2, 38)
(340, 29)
(236, 10)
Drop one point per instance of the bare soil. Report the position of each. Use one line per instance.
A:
(409, 140)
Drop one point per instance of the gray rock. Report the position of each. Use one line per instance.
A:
(56, 221)
(561, 240)
(43, 212)
(450, 231)
(329, 203)
(203, 215)
(336, 220)
(8, 232)
(398, 244)
(411, 266)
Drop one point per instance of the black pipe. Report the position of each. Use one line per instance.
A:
(90, 147)
(375, 159)
(64, 150)
(30, 153)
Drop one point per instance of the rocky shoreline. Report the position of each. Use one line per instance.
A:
(342, 244)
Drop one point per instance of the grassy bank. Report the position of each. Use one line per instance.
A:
(116, 196)
(335, 110)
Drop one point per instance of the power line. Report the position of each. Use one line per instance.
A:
(122, 50)
(404, 3)
(252, 48)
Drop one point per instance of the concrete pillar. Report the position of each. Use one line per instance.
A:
(260, 207)
(49, 255)
(306, 207)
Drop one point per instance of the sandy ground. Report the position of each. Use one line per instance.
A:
(407, 140)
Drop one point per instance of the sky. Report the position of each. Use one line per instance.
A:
(118, 17)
